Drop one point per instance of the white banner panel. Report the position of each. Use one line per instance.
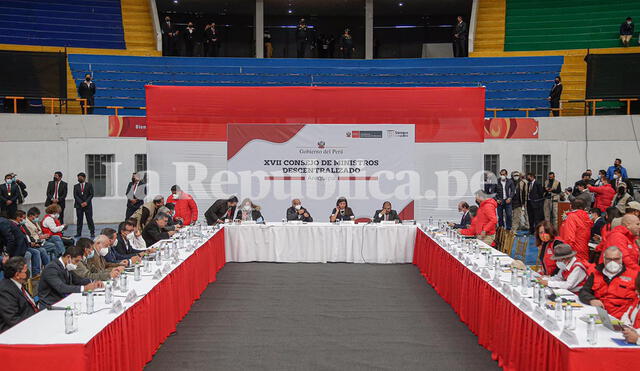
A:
(368, 164)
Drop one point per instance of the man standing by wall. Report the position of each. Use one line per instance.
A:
(504, 196)
(87, 90)
(552, 192)
(302, 38)
(554, 96)
(519, 202)
(57, 193)
(83, 196)
(460, 38)
(8, 197)
(136, 192)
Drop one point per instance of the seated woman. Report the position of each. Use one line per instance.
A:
(342, 211)
(546, 240)
(249, 211)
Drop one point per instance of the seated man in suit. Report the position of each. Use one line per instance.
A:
(123, 245)
(92, 271)
(16, 304)
(297, 212)
(154, 232)
(58, 279)
(113, 256)
(386, 213)
(463, 208)
(221, 210)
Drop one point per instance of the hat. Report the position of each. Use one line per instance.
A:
(633, 205)
(562, 251)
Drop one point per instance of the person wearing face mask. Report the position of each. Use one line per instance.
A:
(505, 191)
(172, 222)
(16, 304)
(124, 246)
(626, 31)
(342, 211)
(135, 238)
(297, 212)
(52, 244)
(59, 279)
(136, 192)
(39, 255)
(535, 201)
(87, 90)
(546, 241)
(617, 164)
(631, 318)
(620, 181)
(603, 195)
(625, 237)
(483, 226)
(83, 196)
(576, 229)
(154, 232)
(552, 194)
(57, 193)
(572, 271)
(580, 192)
(96, 262)
(147, 212)
(52, 226)
(622, 198)
(112, 255)
(221, 210)
(610, 284)
(519, 202)
(554, 96)
(189, 38)
(9, 194)
(601, 180)
(598, 222)
(386, 214)
(185, 207)
(169, 34)
(465, 220)
(249, 211)
(91, 271)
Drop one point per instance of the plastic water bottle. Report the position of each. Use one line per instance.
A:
(568, 317)
(430, 221)
(136, 272)
(536, 295)
(108, 293)
(558, 309)
(68, 321)
(592, 333)
(541, 296)
(89, 302)
(124, 283)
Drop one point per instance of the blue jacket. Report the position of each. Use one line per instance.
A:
(612, 168)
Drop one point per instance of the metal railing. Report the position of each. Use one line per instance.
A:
(590, 106)
(50, 102)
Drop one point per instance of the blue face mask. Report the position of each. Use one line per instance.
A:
(91, 254)
(9, 181)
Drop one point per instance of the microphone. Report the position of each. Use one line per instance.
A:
(51, 307)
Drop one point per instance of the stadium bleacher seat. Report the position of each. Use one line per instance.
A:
(568, 24)
(515, 82)
(68, 23)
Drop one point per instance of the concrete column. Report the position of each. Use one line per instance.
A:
(259, 28)
(368, 29)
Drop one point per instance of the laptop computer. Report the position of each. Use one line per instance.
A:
(606, 320)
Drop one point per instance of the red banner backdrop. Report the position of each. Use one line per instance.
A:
(513, 128)
(122, 126)
(194, 113)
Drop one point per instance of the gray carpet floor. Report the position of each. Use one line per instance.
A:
(263, 316)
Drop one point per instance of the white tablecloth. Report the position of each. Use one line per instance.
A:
(47, 326)
(320, 243)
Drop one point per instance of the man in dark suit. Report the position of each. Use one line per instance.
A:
(220, 210)
(9, 194)
(535, 202)
(386, 214)
(169, 34)
(136, 192)
(16, 304)
(505, 191)
(554, 96)
(58, 279)
(83, 196)
(153, 232)
(87, 90)
(465, 220)
(57, 193)
(460, 38)
(297, 212)
(123, 246)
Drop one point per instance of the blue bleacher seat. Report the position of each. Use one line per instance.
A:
(511, 82)
(70, 23)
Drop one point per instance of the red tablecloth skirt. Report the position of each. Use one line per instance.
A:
(515, 340)
(130, 341)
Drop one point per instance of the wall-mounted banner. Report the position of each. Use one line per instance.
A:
(513, 128)
(134, 126)
(368, 164)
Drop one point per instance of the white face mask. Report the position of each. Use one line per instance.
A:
(613, 267)
(56, 215)
(115, 243)
(503, 177)
(104, 251)
(175, 196)
(298, 207)
(615, 176)
(247, 207)
(562, 266)
(71, 267)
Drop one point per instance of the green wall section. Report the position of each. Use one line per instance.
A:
(567, 24)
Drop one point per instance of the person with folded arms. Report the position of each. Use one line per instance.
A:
(221, 210)
(572, 270)
(249, 211)
(16, 304)
(59, 279)
(386, 214)
(297, 212)
(342, 211)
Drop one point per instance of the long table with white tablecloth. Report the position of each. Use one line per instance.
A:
(508, 323)
(320, 243)
(107, 340)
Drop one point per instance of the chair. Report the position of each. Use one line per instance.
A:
(509, 237)
(363, 220)
(499, 238)
(521, 248)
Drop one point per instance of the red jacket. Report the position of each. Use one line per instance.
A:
(47, 230)
(578, 264)
(549, 265)
(485, 220)
(604, 195)
(619, 294)
(576, 232)
(185, 208)
(621, 237)
(635, 322)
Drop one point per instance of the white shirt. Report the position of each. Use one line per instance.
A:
(25, 291)
(504, 188)
(65, 267)
(48, 222)
(137, 243)
(572, 282)
(629, 317)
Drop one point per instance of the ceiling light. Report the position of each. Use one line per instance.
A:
(175, 1)
(401, 4)
(289, 11)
